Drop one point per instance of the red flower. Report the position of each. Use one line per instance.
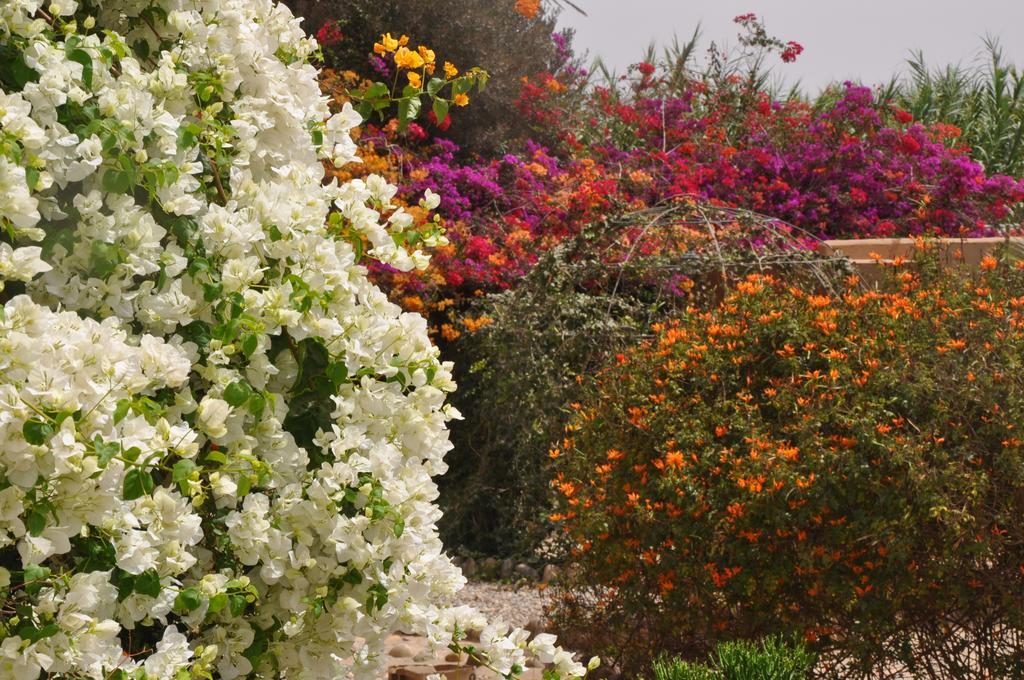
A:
(645, 68)
(329, 34)
(902, 116)
(792, 51)
(909, 145)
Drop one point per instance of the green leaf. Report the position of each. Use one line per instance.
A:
(408, 109)
(376, 598)
(376, 91)
(117, 181)
(337, 372)
(37, 431)
(462, 85)
(257, 404)
(244, 484)
(188, 600)
(32, 178)
(212, 291)
(435, 85)
(82, 57)
(440, 109)
(238, 604)
(14, 72)
(103, 259)
(123, 406)
(399, 526)
(28, 631)
(105, 451)
(148, 583)
(250, 342)
(216, 457)
(237, 393)
(182, 470)
(141, 48)
(35, 523)
(187, 135)
(365, 110)
(98, 554)
(137, 483)
(34, 576)
(218, 602)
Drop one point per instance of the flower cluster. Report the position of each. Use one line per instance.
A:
(837, 464)
(218, 434)
(418, 66)
(853, 168)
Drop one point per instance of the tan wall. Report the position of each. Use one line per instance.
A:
(869, 255)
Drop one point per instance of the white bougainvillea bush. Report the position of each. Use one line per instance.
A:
(216, 436)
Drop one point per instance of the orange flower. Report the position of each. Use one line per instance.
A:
(528, 8)
(406, 58)
(388, 44)
(449, 332)
(988, 263)
(426, 53)
(788, 452)
(461, 100)
(674, 459)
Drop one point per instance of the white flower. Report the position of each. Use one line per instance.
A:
(430, 200)
(171, 655)
(21, 264)
(212, 415)
(16, 202)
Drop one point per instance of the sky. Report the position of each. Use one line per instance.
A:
(865, 40)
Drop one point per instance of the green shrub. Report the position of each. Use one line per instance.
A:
(583, 302)
(847, 468)
(770, 659)
(666, 668)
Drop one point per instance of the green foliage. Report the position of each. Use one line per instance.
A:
(843, 467)
(769, 659)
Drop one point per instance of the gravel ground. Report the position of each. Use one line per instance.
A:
(515, 605)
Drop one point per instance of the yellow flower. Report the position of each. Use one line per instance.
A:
(386, 44)
(414, 78)
(461, 100)
(426, 53)
(449, 70)
(406, 58)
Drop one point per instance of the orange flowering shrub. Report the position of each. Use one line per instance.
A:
(847, 466)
